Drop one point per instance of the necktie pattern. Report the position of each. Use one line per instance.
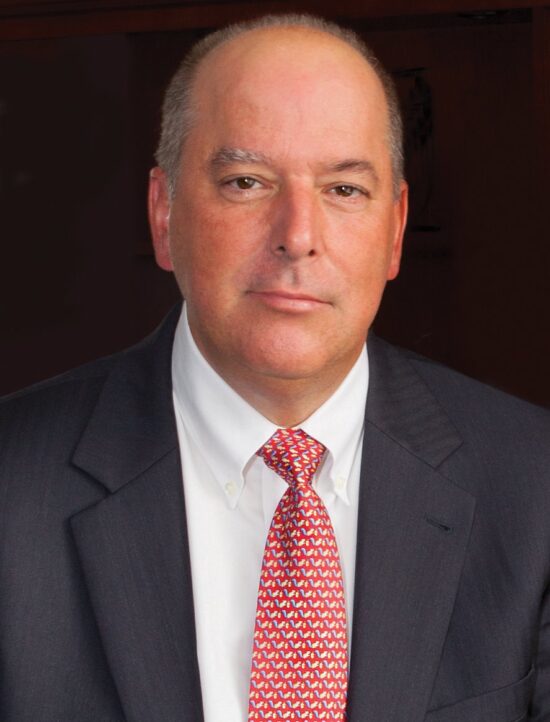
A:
(299, 664)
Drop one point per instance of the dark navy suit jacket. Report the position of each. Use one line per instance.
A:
(451, 617)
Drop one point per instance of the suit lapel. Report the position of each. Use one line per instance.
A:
(133, 545)
(413, 531)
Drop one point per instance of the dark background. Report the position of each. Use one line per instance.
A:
(80, 88)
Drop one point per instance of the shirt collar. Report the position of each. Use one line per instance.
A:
(338, 424)
(228, 430)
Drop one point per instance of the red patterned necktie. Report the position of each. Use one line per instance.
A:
(299, 664)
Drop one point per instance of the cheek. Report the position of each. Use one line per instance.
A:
(364, 268)
(207, 258)
(228, 246)
(196, 238)
(365, 252)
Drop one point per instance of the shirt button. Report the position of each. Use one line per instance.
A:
(340, 483)
(230, 488)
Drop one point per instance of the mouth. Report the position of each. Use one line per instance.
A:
(290, 302)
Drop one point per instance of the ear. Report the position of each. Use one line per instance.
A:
(400, 210)
(158, 203)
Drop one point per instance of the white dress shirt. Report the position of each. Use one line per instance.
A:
(230, 498)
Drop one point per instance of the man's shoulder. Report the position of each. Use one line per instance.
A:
(48, 417)
(68, 385)
(468, 393)
(61, 383)
(62, 404)
(475, 407)
(90, 375)
(487, 442)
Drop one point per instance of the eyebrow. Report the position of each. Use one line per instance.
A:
(227, 156)
(353, 165)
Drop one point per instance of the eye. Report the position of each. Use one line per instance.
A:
(243, 183)
(244, 188)
(347, 191)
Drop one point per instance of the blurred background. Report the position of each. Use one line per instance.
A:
(81, 84)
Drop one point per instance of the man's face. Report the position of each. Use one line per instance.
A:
(284, 226)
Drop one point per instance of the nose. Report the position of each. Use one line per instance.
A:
(296, 228)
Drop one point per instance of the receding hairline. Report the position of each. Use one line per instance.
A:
(303, 31)
(255, 40)
(206, 67)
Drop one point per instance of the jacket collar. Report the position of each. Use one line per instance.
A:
(133, 424)
(401, 406)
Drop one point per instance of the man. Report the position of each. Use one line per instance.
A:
(135, 497)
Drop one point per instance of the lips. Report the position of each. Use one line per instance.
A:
(290, 301)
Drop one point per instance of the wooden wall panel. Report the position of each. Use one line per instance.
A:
(80, 17)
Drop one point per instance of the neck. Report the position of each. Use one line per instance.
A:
(285, 402)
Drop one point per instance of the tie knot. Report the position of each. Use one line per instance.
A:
(293, 455)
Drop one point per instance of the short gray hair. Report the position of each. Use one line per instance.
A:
(178, 111)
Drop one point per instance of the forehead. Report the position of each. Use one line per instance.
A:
(294, 81)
